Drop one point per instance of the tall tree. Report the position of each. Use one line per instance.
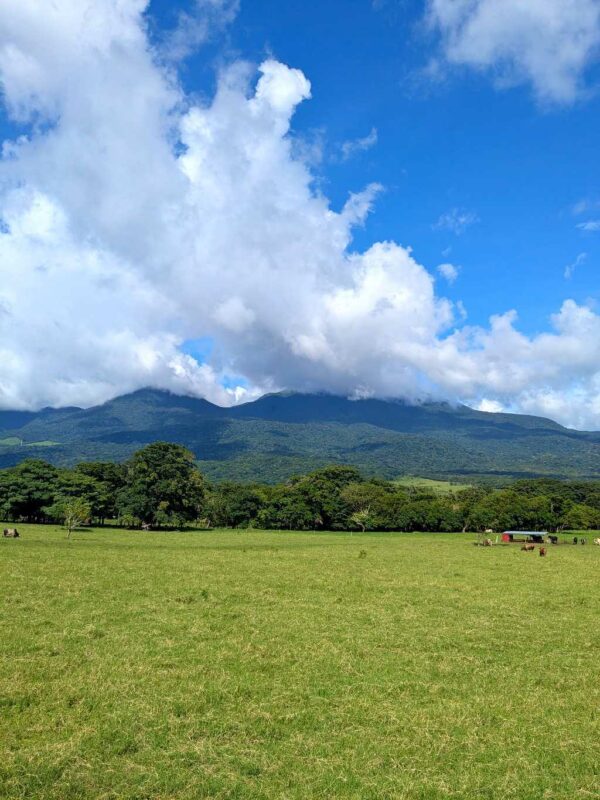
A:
(233, 505)
(162, 486)
(322, 491)
(110, 479)
(25, 490)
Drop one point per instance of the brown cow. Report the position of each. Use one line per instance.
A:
(542, 551)
(11, 533)
(528, 548)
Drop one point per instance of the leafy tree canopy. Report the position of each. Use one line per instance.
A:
(162, 486)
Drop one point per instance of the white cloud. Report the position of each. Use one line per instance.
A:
(590, 226)
(353, 146)
(448, 271)
(492, 406)
(456, 220)
(135, 218)
(570, 268)
(546, 43)
(233, 315)
(196, 26)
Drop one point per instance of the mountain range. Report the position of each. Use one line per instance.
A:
(282, 434)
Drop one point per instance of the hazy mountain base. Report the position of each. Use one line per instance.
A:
(280, 435)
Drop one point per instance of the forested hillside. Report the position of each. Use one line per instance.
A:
(280, 435)
(160, 486)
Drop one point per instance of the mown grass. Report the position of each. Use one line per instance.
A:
(248, 665)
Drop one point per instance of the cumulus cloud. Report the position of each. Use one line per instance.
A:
(135, 219)
(546, 43)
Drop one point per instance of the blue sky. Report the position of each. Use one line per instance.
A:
(226, 197)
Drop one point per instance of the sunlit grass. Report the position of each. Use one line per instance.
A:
(439, 487)
(247, 664)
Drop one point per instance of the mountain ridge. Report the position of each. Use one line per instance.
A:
(284, 433)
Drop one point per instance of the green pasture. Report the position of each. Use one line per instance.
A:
(15, 441)
(439, 487)
(246, 664)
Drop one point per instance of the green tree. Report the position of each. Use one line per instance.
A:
(110, 479)
(233, 505)
(162, 486)
(580, 517)
(73, 512)
(322, 492)
(25, 490)
(362, 519)
(73, 484)
(286, 507)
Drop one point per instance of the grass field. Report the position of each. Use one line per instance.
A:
(439, 487)
(14, 441)
(251, 665)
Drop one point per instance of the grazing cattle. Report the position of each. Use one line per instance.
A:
(542, 551)
(553, 539)
(528, 548)
(597, 541)
(582, 541)
(11, 533)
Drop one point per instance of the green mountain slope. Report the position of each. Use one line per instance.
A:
(279, 435)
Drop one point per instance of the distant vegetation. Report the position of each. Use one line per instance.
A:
(278, 436)
(161, 486)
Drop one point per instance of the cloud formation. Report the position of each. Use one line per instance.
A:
(448, 271)
(196, 26)
(456, 220)
(590, 226)
(546, 43)
(134, 219)
(354, 146)
(570, 268)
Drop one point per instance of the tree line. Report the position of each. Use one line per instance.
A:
(160, 486)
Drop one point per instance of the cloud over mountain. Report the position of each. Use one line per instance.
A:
(135, 218)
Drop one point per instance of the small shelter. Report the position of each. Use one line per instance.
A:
(537, 537)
